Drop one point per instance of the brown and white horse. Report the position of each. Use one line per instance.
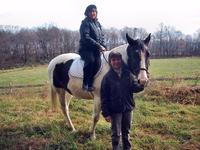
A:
(135, 54)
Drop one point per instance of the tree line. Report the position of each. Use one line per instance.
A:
(22, 46)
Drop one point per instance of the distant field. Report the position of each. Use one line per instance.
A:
(24, 76)
(176, 67)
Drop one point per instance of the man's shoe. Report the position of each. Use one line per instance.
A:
(85, 87)
(91, 88)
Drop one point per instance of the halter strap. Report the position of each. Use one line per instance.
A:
(144, 70)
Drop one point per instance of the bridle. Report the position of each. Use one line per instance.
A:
(136, 70)
(144, 70)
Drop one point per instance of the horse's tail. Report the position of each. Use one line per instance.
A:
(53, 99)
(53, 92)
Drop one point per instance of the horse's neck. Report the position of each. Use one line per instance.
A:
(121, 49)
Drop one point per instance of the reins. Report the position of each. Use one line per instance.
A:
(104, 57)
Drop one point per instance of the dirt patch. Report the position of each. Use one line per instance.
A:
(14, 138)
(184, 95)
(32, 143)
(194, 145)
(178, 94)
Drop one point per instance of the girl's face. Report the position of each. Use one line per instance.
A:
(93, 14)
(116, 63)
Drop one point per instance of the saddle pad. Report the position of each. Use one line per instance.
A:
(76, 69)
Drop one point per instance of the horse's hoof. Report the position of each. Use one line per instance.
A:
(73, 130)
(93, 137)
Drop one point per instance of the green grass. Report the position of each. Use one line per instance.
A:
(27, 122)
(176, 67)
(24, 76)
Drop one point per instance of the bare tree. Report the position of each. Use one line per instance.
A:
(19, 46)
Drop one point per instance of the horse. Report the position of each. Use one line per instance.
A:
(135, 55)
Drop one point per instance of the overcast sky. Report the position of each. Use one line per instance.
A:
(184, 15)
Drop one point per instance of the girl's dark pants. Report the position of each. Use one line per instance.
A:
(92, 63)
(120, 126)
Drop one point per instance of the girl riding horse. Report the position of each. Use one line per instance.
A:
(91, 43)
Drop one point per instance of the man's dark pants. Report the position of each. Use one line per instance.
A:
(120, 125)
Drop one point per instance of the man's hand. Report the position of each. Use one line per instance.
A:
(102, 48)
(108, 119)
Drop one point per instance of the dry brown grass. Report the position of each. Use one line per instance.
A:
(176, 92)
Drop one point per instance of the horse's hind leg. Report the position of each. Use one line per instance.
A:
(96, 115)
(69, 97)
(65, 107)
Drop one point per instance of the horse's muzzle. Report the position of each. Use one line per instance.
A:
(142, 82)
(142, 77)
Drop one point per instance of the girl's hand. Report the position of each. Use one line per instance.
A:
(108, 119)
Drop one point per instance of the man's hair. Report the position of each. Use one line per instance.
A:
(114, 55)
(89, 9)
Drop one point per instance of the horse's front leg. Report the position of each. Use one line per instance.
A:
(96, 115)
(65, 107)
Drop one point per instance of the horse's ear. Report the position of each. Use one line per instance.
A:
(148, 38)
(129, 40)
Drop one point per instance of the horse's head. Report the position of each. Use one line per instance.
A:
(138, 57)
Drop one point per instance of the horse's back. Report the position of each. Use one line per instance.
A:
(60, 59)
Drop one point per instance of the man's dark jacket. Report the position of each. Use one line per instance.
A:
(117, 92)
(91, 35)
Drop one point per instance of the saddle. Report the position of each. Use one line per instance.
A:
(76, 69)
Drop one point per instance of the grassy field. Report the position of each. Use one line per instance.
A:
(179, 67)
(27, 122)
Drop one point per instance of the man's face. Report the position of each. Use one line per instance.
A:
(93, 14)
(116, 63)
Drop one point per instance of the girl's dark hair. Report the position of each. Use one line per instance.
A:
(89, 9)
(114, 55)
